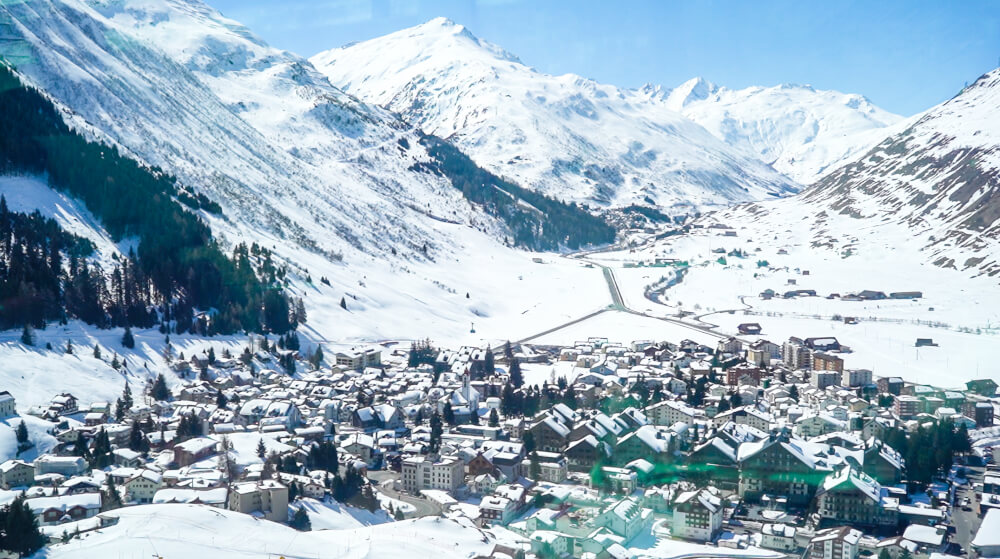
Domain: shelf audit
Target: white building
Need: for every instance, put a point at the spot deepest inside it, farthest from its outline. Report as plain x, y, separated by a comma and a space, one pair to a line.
778, 536
446, 473
987, 540
7, 406
835, 543
822, 379
64, 465
697, 516
856, 377
266, 498
358, 359
16, 473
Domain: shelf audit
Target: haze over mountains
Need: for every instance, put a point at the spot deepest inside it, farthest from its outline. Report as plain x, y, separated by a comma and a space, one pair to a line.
800, 131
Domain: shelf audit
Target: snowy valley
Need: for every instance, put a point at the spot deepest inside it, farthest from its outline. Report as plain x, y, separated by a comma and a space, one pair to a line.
485, 312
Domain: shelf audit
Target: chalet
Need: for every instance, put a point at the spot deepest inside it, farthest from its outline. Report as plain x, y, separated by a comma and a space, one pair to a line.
194, 450
214, 497
626, 518
851, 497
497, 510
646, 442
381, 416
714, 459
780, 466
882, 462
480, 465
142, 487
361, 445
749, 329
984, 387
584, 453
65, 508
550, 433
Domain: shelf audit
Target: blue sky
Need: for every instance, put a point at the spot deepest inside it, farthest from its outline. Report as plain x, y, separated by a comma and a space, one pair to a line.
905, 56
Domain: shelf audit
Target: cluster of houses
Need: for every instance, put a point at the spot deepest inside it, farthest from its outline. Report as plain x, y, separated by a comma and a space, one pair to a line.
682, 441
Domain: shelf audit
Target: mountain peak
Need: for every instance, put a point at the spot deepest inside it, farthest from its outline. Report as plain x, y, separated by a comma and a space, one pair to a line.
695, 89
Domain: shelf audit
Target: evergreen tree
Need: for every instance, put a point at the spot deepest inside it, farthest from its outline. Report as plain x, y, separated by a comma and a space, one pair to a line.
97, 351
160, 391
20, 528
535, 469
22, 433
261, 449
449, 414
137, 441
69, 347
436, 431
736, 400
27, 336
300, 520
221, 401
126, 398
494, 418
398, 514
317, 358
113, 499
127, 339
516, 378
489, 365
343, 303
529, 441
211, 356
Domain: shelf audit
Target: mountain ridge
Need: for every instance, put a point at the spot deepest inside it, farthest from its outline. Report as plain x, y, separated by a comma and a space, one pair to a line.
565, 136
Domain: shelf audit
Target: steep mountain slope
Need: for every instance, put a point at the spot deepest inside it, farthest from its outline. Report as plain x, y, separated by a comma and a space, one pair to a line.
931, 189
802, 132
257, 128
562, 135
339, 190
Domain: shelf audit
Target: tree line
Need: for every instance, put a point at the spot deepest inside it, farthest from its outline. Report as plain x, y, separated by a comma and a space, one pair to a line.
548, 224
176, 262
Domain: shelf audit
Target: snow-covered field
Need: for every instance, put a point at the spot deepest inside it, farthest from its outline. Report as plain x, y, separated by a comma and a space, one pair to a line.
172, 531
959, 312
331, 515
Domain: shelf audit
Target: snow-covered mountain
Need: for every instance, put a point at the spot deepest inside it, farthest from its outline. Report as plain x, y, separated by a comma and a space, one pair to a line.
933, 188
187, 90
339, 189
565, 136
802, 132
